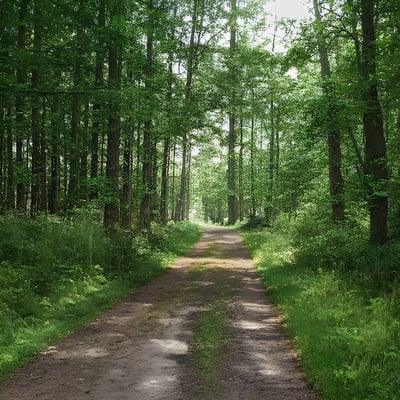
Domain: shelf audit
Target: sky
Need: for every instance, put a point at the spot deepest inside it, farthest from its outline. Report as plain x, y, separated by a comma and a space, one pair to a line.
289, 8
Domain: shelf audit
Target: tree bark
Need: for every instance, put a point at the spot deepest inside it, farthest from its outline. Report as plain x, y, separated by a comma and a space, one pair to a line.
336, 185
181, 205
74, 149
145, 216
99, 83
376, 171
35, 115
232, 203
240, 173
127, 195
111, 208
252, 168
54, 189
22, 77
10, 199
2, 160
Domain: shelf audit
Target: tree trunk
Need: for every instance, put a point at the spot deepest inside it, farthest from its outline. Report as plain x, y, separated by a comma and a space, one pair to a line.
21, 127
271, 167
240, 173
127, 195
336, 185
145, 216
35, 115
181, 206
232, 204
164, 181
74, 149
252, 168
111, 209
10, 200
376, 171
54, 189
99, 83
2, 160
42, 167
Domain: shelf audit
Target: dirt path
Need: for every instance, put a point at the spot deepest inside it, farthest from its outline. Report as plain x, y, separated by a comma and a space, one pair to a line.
142, 348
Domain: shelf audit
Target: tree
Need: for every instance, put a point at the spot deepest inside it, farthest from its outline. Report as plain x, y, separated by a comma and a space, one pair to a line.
376, 171
232, 201
336, 185
111, 209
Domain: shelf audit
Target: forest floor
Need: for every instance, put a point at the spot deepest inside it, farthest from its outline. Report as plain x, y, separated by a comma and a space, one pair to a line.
203, 330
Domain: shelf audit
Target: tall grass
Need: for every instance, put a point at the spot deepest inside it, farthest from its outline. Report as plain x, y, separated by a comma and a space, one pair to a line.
55, 275
340, 300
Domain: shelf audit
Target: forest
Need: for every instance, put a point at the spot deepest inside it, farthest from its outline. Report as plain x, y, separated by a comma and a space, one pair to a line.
123, 120
153, 111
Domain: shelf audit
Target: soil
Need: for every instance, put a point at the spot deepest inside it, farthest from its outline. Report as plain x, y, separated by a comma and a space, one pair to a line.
140, 349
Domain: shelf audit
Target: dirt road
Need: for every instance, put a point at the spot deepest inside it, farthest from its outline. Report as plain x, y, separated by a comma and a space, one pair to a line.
151, 346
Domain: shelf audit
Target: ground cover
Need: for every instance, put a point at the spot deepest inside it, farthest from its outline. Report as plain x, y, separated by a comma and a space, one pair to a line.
342, 315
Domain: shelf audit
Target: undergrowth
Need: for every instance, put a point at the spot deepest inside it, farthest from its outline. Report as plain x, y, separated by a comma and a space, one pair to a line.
57, 274
340, 299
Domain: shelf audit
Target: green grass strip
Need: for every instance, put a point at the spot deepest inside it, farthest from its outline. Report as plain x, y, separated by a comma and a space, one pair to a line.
209, 339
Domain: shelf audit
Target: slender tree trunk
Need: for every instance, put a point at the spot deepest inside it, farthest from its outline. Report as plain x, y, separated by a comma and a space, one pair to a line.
278, 143
74, 153
35, 115
165, 181
334, 137
252, 168
111, 209
127, 195
187, 200
181, 206
21, 134
2, 160
42, 166
271, 167
84, 146
240, 173
166, 153
54, 189
145, 216
376, 171
232, 203
99, 83
10, 200
173, 183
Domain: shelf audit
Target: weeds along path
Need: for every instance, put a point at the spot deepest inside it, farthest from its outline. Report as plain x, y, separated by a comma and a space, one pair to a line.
204, 330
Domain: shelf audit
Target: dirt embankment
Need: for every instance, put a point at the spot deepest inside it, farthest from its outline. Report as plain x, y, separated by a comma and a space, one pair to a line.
150, 345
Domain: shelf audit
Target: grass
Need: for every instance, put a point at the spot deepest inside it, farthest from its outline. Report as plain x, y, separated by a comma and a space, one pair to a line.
208, 342
211, 331
57, 275
344, 324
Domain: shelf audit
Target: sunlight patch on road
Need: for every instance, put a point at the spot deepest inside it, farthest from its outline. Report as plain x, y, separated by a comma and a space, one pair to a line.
245, 324
171, 346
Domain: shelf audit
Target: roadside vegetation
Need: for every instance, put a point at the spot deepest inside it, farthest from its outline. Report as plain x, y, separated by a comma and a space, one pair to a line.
211, 331
57, 274
340, 300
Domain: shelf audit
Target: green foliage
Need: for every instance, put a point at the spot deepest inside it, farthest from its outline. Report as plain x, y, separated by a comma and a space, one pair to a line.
56, 275
340, 300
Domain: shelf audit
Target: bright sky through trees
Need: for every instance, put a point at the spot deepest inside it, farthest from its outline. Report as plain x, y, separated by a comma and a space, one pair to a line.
290, 9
